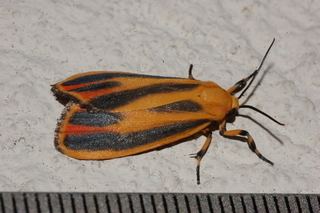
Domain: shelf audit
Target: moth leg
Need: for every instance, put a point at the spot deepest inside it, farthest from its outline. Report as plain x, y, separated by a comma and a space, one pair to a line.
240, 84
233, 89
199, 155
190, 72
246, 136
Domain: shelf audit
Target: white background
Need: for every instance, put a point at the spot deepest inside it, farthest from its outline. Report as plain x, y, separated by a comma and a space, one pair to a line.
43, 42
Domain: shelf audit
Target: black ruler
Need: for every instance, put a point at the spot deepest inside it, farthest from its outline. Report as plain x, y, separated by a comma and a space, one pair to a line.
156, 202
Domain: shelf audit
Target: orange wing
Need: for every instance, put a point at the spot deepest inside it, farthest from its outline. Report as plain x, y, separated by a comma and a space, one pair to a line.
117, 91
101, 135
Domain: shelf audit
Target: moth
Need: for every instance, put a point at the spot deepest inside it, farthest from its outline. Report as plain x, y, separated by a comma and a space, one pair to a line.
117, 114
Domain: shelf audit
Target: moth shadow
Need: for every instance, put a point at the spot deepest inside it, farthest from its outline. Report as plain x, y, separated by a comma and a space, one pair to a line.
258, 83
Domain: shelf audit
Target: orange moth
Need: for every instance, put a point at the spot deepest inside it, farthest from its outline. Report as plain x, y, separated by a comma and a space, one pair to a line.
116, 114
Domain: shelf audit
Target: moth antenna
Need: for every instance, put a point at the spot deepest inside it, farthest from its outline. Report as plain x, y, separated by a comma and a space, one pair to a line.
261, 112
254, 74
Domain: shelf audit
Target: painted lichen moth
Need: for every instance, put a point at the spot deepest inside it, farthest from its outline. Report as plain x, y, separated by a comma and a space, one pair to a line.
115, 114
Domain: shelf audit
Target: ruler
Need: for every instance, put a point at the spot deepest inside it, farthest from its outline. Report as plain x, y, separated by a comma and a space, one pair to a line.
156, 203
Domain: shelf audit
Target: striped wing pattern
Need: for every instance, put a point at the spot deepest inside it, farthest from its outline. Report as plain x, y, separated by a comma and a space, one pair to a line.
115, 114
115, 91
97, 135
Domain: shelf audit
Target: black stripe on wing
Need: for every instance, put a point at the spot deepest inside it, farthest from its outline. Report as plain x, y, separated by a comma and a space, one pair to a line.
118, 141
97, 119
117, 99
108, 75
98, 86
180, 106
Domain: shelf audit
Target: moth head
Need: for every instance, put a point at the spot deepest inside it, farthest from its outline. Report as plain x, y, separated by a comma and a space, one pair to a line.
232, 114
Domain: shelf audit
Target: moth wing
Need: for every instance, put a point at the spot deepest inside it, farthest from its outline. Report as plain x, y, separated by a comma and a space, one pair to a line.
118, 91
99, 135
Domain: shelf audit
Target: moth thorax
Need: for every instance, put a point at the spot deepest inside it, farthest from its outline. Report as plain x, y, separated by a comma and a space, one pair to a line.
217, 96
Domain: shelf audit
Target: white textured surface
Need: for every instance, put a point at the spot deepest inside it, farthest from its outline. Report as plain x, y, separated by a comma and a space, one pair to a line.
42, 42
